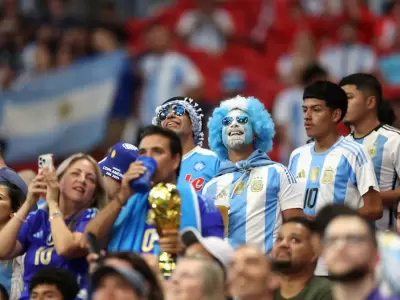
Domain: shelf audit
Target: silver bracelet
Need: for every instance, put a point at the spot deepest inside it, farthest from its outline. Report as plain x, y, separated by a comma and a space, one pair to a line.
56, 214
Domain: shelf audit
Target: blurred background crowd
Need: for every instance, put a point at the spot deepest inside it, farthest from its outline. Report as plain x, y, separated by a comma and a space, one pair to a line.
82, 75
206, 49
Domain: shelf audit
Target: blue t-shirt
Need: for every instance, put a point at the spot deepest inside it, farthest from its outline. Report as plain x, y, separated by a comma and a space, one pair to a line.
36, 239
211, 225
198, 167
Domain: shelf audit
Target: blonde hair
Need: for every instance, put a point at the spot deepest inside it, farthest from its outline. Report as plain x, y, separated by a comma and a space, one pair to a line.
100, 195
212, 278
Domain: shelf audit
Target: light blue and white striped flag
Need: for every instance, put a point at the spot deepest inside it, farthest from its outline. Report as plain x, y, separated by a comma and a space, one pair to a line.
63, 112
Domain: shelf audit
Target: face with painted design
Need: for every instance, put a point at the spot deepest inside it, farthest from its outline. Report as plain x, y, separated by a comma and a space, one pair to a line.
236, 131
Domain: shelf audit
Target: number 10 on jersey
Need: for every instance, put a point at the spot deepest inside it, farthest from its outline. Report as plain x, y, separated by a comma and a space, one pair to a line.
310, 198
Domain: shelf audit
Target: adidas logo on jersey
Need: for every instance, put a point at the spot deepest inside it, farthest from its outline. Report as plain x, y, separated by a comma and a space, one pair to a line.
301, 174
38, 235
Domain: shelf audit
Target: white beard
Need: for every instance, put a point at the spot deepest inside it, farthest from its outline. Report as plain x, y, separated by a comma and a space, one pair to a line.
235, 142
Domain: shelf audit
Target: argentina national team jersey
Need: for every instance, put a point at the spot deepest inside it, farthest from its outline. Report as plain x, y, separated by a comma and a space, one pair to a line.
256, 201
198, 167
340, 175
383, 146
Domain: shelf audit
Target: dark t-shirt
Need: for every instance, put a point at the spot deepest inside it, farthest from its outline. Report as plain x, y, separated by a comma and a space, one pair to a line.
317, 289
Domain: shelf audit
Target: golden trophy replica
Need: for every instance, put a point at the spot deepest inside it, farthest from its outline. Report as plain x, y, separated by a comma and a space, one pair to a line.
165, 213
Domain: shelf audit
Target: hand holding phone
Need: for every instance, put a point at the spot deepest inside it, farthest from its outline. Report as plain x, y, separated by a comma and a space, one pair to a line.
45, 161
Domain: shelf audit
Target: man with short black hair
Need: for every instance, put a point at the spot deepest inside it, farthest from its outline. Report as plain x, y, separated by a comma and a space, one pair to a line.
53, 283
130, 229
331, 168
288, 114
295, 258
371, 118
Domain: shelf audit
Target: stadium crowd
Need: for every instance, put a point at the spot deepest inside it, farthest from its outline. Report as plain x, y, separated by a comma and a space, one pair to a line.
252, 152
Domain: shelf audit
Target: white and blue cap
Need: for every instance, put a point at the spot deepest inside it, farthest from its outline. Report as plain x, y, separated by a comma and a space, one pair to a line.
117, 162
218, 248
194, 111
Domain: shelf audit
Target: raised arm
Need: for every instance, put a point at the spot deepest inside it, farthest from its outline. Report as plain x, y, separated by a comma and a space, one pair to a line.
102, 224
10, 246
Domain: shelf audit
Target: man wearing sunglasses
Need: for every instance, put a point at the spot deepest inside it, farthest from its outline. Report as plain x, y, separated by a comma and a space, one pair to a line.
255, 193
185, 117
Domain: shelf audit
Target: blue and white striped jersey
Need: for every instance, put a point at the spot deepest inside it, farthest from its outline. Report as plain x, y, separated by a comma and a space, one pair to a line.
256, 200
383, 146
340, 175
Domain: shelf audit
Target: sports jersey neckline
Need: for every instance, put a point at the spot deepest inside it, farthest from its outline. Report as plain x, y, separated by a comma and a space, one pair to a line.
327, 151
375, 129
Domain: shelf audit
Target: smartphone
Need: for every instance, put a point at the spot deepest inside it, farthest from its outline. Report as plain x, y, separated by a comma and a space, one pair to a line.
93, 244
45, 161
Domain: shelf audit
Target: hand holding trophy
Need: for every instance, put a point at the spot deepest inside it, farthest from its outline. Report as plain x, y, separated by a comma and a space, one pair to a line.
165, 212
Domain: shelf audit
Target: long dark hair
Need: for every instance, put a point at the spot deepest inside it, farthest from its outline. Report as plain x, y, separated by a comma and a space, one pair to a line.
17, 198
16, 195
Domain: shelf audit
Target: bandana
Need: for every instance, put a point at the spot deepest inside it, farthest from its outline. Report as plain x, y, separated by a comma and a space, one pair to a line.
195, 114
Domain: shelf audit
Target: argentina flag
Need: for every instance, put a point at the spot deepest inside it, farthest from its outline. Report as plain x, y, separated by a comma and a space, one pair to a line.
62, 112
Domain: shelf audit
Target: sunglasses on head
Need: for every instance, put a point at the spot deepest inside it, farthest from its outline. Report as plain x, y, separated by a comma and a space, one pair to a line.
178, 111
240, 119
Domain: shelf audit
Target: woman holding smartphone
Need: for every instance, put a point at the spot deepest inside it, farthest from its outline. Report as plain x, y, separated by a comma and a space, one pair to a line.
53, 236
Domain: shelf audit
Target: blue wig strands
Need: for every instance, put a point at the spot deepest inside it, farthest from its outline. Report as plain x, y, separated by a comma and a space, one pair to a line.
260, 119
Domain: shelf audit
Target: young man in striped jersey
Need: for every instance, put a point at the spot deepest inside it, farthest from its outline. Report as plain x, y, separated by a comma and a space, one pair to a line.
185, 117
369, 118
254, 193
333, 169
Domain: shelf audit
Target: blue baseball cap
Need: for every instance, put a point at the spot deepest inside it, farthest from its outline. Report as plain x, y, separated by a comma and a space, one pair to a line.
117, 162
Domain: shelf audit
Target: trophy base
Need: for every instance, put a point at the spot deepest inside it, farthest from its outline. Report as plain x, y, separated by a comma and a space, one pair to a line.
167, 263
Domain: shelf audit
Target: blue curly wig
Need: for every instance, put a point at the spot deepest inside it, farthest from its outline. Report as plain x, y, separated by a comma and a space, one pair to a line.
259, 117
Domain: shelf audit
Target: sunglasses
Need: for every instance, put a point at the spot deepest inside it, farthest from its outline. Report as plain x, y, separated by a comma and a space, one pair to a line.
178, 111
240, 119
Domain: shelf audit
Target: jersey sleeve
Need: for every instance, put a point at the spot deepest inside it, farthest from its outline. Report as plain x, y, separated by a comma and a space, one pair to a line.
290, 194
292, 166
84, 219
364, 172
211, 219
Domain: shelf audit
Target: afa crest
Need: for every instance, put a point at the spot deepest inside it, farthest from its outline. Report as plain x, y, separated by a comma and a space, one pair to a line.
328, 176
372, 150
257, 185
